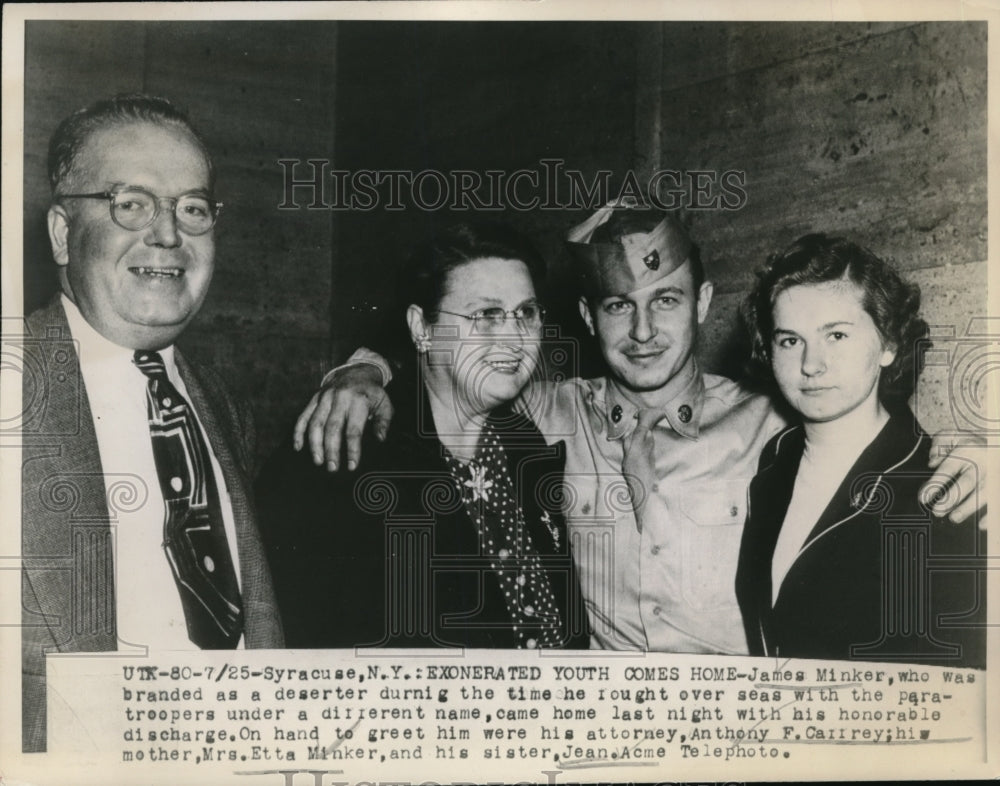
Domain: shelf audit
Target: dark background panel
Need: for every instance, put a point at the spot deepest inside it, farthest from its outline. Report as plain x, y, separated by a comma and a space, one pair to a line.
481, 97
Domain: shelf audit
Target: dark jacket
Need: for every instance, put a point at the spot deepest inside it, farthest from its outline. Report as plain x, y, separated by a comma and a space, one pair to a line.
387, 555
874, 546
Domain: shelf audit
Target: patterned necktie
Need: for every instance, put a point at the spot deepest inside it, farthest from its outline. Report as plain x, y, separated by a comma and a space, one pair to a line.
638, 464
194, 537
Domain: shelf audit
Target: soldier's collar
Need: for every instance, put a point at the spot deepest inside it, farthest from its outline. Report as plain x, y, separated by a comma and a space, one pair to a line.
683, 411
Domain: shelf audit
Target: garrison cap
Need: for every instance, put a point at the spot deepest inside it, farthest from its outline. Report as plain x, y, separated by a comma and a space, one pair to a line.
635, 261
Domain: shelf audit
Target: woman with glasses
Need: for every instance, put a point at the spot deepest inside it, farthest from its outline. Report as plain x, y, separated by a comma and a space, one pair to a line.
448, 533
838, 559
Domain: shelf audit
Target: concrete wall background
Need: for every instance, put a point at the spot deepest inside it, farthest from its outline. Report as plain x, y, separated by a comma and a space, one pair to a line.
877, 131
873, 131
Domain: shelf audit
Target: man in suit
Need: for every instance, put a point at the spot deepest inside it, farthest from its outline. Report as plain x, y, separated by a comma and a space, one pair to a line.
138, 527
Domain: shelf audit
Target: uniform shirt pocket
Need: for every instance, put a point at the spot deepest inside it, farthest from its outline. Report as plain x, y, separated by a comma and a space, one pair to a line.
711, 529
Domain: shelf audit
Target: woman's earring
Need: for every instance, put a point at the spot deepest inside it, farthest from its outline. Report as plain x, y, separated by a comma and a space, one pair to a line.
422, 343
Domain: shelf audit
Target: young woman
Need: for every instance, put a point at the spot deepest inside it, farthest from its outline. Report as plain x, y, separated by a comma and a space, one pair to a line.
445, 534
838, 559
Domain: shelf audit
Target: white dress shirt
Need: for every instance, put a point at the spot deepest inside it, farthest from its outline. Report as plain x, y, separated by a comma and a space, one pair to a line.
149, 611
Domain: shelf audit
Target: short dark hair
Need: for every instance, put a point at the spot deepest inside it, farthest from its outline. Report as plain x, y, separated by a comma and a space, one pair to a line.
74, 131
892, 303
635, 220
426, 275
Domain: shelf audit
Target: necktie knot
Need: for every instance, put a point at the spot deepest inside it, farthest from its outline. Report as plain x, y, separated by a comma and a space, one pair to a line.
150, 363
649, 418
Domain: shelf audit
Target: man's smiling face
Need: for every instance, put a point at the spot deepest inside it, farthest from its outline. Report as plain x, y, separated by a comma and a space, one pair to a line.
139, 289
647, 336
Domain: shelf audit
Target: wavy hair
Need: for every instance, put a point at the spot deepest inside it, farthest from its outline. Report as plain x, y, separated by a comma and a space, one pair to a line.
892, 303
425, 277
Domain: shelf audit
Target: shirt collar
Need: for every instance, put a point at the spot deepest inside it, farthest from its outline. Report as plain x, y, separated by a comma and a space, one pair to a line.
682, 412
97, 349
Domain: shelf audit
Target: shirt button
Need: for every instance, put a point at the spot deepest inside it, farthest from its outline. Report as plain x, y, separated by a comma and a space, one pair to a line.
657, 610
529, 610
176, 484
503, 553
655, 487
655, 550
166, 401
532, 644
209, 564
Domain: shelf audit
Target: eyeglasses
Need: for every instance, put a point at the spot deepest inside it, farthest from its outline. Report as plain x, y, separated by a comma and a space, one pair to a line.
135, 208
529, 316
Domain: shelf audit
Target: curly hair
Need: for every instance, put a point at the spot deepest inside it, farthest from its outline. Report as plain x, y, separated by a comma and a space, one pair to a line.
425, 277
892, 303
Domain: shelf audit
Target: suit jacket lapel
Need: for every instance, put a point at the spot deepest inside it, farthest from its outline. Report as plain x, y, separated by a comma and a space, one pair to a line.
68, 591
66, 538
772, 493
859, 490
